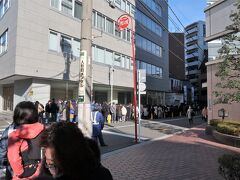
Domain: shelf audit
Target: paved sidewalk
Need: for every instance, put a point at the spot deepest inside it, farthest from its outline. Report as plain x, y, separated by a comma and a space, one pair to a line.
191, 155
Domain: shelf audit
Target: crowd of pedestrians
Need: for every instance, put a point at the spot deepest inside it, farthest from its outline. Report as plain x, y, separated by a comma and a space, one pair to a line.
31, 150
55, 111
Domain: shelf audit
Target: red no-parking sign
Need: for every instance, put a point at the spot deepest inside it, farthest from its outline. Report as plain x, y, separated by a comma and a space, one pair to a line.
123, 22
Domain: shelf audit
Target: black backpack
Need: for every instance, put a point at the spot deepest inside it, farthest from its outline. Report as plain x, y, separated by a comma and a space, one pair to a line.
31, 157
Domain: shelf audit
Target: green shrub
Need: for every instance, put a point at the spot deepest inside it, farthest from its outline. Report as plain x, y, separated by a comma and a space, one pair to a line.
229, 166
214, 122
226, 127
230, 129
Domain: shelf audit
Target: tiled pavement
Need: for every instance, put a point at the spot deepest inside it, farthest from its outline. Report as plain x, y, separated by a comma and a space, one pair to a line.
191, 155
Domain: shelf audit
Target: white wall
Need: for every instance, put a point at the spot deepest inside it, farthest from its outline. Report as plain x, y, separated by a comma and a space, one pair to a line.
22, 90
41, 91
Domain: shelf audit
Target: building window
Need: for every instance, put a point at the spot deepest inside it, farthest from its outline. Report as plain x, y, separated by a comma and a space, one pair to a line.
132, 12
55, 4
53, 41
148, 23
99, 54
118, 3
124, 35
66, 44
70, 7
67, 6
100, 21
77, 10
3, 42
128, 7
128, 34
151, 70
4, 5
154, 6
123, 5
117, 59
76, 47
117, 31
109, 26
109, 57
148, 46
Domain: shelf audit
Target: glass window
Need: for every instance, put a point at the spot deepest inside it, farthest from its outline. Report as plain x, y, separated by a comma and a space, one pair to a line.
117, 59
144, 43
127, 63
149, 68
6, 5
53, 41
128, 7
100, 21
55, 4
3, 42
109, 26
1, 8
94, 19
77, 10
99, 54
109, 57
160, 72
157, 71
117, 31
118, 3
123, 62
123, 5
131, 67
124, 34
138, 41
153, 70
66, 44
128, 34
143, 65
76, 47
132, 13
157, 50
67, 6
149, 46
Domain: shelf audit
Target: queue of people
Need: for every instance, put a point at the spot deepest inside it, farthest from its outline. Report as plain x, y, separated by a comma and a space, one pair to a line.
29, 150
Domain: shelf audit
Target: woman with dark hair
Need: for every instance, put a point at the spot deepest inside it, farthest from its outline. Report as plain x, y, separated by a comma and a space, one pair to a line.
24, 153
68, 155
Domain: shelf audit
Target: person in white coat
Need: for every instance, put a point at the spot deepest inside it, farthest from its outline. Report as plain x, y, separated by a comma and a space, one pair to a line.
190, 115
124, 113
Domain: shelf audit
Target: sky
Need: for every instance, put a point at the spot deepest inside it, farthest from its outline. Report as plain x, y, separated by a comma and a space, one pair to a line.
188, 11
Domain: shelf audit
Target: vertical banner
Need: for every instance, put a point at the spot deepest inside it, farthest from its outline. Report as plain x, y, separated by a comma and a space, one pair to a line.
82, 76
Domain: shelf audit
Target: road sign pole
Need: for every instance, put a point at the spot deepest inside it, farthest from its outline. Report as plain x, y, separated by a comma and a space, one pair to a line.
139, 107
123, 23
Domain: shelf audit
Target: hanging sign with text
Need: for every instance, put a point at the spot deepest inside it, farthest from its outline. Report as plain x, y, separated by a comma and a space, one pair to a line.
82, 76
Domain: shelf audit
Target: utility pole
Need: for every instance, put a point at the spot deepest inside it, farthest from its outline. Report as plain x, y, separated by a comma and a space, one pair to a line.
85, 71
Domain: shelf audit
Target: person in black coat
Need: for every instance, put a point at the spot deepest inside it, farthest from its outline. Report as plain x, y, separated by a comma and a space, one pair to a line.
68, 155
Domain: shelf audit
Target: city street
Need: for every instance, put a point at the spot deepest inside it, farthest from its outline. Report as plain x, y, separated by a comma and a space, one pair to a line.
170, 149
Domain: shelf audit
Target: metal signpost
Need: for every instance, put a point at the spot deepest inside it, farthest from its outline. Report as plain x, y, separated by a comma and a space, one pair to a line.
123, 23
141, 90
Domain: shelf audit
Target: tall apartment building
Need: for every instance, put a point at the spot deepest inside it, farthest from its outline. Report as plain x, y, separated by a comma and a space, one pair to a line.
176, 69
39, 57
217, 19
152, 48
195, 46
40, 47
